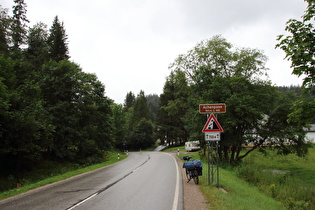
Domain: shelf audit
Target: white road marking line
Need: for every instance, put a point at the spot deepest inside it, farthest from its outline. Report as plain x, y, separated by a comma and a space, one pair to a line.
78, 204
175, 202
108, 186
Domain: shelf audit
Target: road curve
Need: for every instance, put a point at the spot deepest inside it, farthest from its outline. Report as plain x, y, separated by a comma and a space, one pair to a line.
145, 180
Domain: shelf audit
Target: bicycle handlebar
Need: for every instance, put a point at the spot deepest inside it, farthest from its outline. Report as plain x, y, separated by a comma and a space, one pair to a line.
187, 158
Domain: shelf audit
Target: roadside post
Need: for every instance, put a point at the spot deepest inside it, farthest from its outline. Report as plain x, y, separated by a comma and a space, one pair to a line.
212, 130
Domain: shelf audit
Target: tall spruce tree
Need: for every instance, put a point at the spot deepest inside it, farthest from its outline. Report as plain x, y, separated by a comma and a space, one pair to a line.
141, 109
173, 107
129, 101
19, 24
4, 25
57, 41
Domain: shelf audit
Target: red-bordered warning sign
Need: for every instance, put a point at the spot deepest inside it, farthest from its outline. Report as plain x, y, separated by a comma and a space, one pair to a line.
212, 125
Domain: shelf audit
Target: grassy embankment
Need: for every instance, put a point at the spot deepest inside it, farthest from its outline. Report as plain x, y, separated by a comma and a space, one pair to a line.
56, 172
263, 181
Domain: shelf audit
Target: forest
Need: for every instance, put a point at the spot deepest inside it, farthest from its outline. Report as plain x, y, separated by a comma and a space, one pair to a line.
50, 109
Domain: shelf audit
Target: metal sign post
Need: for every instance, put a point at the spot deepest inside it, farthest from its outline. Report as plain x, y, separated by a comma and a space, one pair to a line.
212, 130
213, 163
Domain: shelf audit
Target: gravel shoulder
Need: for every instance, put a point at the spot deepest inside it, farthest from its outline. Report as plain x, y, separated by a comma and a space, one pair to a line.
193, 198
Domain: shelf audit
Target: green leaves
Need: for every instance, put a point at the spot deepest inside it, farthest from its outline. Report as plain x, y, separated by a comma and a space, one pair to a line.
218, 73
300, 47
303, 112
49, 108
80, 111
139, 127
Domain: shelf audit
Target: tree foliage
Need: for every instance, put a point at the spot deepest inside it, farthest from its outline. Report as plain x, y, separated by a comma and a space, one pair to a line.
129, 100
140, 109
133, 122
37, 50
19, 24
57, 41
119, 126
5, 21
49, 108
153, 106
219, 73
300, 50
79, 98
140, 126
299, 46
173, 107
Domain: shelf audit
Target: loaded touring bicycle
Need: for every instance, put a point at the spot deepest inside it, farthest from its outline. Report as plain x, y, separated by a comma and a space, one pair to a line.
193, 169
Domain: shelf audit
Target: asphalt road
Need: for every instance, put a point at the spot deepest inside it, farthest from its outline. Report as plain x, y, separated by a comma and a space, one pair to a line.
145, 180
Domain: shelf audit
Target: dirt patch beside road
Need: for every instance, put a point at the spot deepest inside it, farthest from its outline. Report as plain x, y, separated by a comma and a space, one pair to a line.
193, 198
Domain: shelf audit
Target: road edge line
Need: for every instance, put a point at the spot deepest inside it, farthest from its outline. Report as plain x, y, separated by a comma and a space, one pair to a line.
176, 196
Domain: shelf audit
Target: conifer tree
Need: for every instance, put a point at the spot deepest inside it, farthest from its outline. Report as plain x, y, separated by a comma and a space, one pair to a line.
129, 101
141, 110
57, 41
19, 24
4, 23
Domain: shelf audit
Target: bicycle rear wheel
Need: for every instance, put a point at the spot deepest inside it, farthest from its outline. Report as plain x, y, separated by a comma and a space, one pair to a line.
196, 178
188, 175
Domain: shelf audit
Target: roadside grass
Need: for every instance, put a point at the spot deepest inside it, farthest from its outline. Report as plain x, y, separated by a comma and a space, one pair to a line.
236, 194
181, 149
59, 173
289, 179
263, 181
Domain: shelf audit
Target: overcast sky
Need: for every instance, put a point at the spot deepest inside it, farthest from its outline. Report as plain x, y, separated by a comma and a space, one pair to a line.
129, 44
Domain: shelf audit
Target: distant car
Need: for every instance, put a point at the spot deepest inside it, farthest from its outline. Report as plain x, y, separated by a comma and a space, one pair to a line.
191, 146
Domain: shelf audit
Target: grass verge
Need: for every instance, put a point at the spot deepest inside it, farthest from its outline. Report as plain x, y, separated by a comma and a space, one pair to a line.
264, 180
237, 194
112, 157
289, 179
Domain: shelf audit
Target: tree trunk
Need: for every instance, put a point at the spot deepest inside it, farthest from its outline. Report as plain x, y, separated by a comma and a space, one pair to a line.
226, 153
17, 175
232, 158
220, 153
238, 151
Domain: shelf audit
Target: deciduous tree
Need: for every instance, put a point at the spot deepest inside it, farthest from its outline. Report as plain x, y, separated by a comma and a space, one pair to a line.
300, 50
219, 73
299, 46
37, 50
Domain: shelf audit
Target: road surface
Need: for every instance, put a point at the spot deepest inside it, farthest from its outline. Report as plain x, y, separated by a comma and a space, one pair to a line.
145, 180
